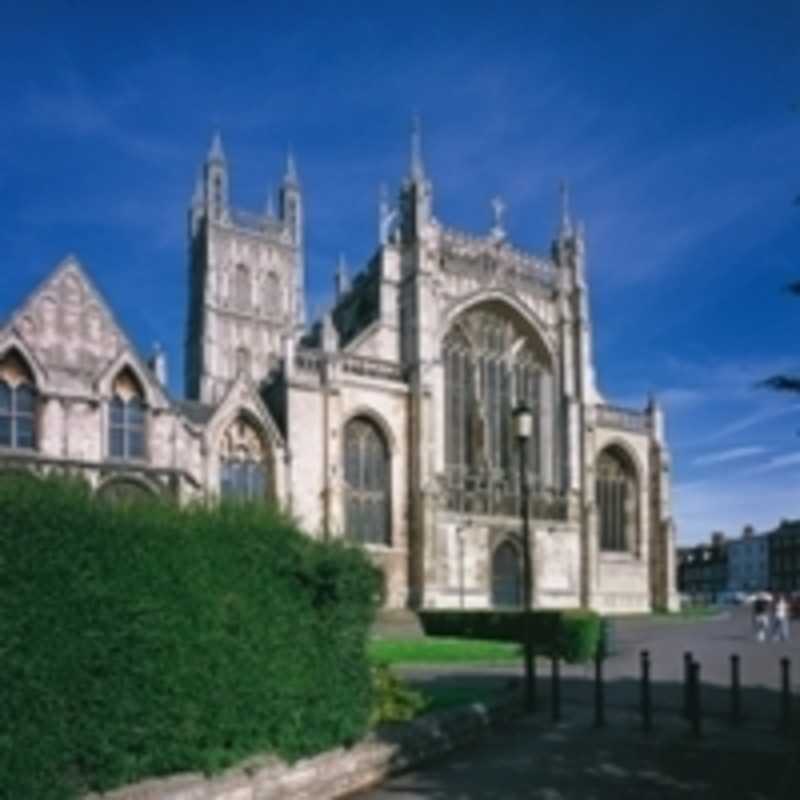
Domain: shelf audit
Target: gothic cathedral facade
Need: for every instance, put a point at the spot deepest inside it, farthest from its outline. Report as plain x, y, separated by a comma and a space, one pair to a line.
388, 421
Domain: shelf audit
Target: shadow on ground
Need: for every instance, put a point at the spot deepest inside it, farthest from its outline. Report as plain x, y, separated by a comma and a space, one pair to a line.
537, 758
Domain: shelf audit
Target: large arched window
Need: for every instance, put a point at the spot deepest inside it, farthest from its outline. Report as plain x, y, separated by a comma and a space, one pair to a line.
367, 484
491, 362
243, 293
244, 462
127, 418
506, 576
616, 492
18, 403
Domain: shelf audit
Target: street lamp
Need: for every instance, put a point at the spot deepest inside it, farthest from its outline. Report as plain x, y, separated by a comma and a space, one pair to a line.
523, 428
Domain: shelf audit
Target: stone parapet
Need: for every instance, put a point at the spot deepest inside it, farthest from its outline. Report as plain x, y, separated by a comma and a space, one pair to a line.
336, 773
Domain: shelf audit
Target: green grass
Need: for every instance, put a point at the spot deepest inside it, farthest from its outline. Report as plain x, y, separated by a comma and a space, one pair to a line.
441, 651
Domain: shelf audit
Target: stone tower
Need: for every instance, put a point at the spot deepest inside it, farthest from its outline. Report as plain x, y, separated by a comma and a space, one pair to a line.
246, 280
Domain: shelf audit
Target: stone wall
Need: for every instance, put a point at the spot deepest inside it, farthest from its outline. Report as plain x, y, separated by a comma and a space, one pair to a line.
336, 773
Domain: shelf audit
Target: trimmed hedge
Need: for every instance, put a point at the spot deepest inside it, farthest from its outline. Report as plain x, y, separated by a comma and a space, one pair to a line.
572, 635
146, 640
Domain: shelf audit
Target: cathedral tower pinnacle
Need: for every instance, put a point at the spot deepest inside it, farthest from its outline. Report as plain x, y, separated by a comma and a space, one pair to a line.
291, 214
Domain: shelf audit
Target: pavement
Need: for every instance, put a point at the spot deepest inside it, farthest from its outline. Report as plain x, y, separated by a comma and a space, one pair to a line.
536, 758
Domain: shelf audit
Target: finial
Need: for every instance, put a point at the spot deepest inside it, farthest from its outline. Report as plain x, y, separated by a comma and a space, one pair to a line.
341, 280
197, 195
216, 153
417, 170
498, 207
270, 207
291, 168
565, 224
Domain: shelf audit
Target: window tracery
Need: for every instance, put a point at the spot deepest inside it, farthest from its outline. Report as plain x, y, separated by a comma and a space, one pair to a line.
367, 483
490, 365
127, 418
18, 404
616, 495
244, 462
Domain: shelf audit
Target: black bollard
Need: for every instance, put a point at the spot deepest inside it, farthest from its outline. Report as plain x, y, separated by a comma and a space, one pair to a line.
645, 692
599, 688
786, 696
736, 697
687, 679
696, 709
555, 699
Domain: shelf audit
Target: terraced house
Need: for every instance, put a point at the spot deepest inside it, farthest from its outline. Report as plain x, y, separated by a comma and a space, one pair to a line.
388, 421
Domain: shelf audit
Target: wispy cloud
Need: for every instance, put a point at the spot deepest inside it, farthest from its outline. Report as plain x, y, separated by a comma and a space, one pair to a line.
776, 463
731, 454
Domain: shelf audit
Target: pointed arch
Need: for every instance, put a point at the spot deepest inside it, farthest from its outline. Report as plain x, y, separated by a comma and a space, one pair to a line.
246, 460
19, 402
127, 418
367, 481
617, 484
242, 287
507, 575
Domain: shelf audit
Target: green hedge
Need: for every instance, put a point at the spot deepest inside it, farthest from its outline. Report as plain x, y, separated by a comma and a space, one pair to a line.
149, 640
572, 635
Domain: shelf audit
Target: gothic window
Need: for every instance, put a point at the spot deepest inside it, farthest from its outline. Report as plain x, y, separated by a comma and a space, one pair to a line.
242, 289
616, 493
18, 404
127, 418
243, 361
272, 298
506, 577
244, 463
217, 196
367, 484
490, 364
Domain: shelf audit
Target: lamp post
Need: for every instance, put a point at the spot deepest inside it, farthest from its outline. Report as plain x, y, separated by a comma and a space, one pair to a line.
523, 427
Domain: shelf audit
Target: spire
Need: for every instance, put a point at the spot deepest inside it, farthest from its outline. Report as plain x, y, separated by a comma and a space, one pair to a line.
291, 168
417, 169
197, 195
498, 209
270, 205
565, 222
216, 153
342, 281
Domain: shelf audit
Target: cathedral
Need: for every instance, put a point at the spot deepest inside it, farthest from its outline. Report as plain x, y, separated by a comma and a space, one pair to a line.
387, 422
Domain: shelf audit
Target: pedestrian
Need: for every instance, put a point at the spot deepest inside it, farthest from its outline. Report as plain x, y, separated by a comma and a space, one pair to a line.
760, 618
780, 620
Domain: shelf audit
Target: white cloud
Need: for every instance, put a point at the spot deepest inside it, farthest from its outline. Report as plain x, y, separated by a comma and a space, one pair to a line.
731, 454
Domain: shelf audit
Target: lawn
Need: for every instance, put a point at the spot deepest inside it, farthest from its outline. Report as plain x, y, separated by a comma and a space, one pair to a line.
441, 651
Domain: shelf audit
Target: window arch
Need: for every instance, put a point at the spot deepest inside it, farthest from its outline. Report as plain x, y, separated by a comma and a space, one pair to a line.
124, 491
244, 462
617, 498
367, 483
242, 288
127, 418
19, 401
272, 295
492, 361
507, 576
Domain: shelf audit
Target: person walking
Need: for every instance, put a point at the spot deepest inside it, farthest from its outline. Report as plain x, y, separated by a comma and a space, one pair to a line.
780, 620
760, 618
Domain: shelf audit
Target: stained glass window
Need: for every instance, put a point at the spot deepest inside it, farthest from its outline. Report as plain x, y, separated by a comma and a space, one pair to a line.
366, 475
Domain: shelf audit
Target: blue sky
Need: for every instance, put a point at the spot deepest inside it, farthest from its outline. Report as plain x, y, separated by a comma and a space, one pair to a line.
672, 122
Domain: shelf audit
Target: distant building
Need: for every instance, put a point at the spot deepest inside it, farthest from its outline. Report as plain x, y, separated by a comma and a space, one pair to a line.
784, 557
703, 570
748, 562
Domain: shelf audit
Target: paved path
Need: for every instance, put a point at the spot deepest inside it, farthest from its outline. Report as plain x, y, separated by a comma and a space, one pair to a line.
536, 759
572, 761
